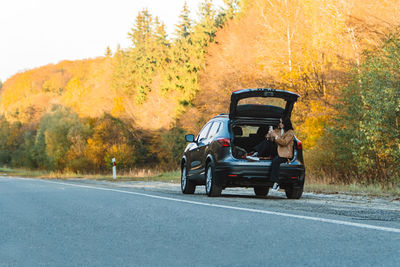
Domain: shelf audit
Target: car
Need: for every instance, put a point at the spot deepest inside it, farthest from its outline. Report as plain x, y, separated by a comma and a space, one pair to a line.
216, 156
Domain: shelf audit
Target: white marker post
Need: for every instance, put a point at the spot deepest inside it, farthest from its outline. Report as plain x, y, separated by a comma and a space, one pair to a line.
114, 169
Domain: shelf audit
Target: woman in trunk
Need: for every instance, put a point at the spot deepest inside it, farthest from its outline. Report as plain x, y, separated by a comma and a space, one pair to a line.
278, 146
284, 139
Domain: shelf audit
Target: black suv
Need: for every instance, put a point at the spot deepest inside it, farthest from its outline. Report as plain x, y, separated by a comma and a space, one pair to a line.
216, 157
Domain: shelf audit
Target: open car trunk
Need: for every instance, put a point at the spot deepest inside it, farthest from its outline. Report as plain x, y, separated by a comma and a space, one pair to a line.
261, 103
253, 112
246, 137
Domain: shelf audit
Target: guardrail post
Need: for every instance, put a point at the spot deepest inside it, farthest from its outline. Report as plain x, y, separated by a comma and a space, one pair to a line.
114, 169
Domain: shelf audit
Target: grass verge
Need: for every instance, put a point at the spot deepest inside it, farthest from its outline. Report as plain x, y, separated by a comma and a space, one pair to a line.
139, 175
352, 189
174, 177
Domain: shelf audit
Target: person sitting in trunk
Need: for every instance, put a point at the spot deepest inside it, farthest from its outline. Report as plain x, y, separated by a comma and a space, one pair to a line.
285, 141
266, 149
277, 145
258, 138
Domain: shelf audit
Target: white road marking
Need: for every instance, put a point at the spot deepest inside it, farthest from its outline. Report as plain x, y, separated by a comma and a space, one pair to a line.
360, 225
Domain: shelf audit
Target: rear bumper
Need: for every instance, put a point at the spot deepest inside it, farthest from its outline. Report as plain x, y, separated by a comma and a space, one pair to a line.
249, 174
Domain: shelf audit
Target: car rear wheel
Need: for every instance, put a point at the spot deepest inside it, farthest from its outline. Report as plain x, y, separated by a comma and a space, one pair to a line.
261, 190
293, 192
187, 186
212, 190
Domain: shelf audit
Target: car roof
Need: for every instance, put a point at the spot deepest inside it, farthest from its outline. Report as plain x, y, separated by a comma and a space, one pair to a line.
221, 116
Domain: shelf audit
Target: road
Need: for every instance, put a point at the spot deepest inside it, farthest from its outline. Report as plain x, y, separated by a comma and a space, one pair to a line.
93, 223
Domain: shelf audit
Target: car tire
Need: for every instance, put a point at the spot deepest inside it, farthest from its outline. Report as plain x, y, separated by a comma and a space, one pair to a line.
261, 191
293, 192
187, 186
212, 189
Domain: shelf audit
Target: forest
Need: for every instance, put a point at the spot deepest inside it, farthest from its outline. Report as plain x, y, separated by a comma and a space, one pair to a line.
137, 103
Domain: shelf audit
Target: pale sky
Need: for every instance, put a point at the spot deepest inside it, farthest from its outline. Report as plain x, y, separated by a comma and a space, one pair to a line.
34, 33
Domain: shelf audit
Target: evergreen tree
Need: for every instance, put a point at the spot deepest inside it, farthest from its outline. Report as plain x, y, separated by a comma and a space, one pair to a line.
108, 52
184, 25
181, 76
188, 54
160, 45
205, 29
228, 12
137, 66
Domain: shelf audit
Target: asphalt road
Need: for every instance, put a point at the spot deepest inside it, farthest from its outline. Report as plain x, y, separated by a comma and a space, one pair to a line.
90, 223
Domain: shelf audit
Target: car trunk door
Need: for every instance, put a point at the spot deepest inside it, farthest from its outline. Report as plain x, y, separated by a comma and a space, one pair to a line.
261, 110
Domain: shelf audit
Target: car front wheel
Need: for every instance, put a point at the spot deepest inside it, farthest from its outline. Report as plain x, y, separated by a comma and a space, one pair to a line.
187, 186
212, 190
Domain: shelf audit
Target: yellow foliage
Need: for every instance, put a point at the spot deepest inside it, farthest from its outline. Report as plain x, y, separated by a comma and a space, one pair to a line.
118, 106
313, 127
95, 151
306, 46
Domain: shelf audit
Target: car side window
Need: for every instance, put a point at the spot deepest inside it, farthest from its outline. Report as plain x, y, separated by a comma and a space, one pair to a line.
203, 133
214, 130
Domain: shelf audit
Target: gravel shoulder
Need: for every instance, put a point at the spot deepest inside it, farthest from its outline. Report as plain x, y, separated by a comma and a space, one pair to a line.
340, 199
382, 211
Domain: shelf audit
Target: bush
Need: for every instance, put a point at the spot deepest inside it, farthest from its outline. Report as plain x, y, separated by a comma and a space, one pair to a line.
171, 146
112, 138
368, 132
24, 156
59, 132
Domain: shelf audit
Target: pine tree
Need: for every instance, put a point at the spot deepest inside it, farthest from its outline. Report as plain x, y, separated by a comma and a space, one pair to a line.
205, 29
184, 26
137, 66
181, 76
228, 12
160, 45
141, 32
108, 52
187, 54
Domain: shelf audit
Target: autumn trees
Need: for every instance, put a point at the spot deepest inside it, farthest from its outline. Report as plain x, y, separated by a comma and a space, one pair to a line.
126, 104
337, 54
156, 70
368, 127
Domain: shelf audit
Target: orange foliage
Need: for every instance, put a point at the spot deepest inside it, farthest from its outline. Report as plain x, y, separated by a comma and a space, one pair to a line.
83, 85
304, 46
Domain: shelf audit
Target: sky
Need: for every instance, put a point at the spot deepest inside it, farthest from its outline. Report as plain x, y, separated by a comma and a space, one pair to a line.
34, 33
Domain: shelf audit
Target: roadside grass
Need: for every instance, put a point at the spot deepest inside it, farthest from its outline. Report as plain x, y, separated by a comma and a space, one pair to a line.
22, 172
312, 185
133, 175
353, 189
327, 185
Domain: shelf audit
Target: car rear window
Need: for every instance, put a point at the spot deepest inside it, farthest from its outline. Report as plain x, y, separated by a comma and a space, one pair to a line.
249, 130
270, 101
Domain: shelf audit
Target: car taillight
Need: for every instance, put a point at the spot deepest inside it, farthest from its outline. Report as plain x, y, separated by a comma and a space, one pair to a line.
299, 145
224, 142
